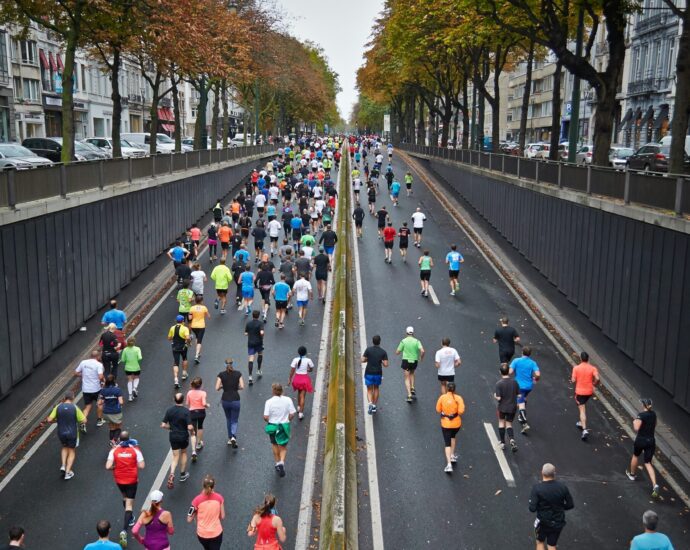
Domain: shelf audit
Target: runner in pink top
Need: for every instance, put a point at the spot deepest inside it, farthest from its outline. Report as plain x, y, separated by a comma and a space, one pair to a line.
197, 405
209, 509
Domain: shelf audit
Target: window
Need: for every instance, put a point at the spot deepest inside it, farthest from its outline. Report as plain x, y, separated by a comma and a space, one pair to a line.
643, 61
657, 69
548, 83
46, 77
18, 93
83, 78
671, 58
29, 52
636, 64
509, 116
32, 91
4, 65
93, 76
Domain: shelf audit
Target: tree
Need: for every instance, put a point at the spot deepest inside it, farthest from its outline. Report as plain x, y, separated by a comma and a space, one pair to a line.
367, 114
681, 107
67, 19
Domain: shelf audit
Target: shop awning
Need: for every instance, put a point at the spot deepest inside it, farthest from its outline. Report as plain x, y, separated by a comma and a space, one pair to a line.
53, 66
43, 59
648, 116
59, 62
165, 114
662, 116
626, 119
168, 127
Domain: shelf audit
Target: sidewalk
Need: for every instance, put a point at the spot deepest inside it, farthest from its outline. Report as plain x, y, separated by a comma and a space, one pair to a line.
625, 382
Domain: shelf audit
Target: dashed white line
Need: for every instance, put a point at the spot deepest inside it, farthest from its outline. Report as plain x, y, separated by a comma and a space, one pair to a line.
500, 455
434, 298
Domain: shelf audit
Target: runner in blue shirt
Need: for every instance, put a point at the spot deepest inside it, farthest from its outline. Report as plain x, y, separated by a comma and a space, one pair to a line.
453, 260
281, 294
114, 315
177, 253
247, 284
526, 373
395, 191
296, 226
242, 254
103, 542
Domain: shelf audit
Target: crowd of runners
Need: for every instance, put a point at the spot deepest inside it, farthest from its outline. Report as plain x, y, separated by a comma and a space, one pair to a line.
265, 249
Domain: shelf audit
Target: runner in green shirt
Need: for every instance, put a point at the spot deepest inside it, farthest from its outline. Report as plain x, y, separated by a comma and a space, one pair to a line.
131, 357
185, 297
408, 183
222, 277
307, 240
412, 353
425, 265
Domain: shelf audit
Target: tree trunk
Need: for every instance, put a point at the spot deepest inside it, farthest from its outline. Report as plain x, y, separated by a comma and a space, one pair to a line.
216, 113
117, 102
421, 129
465, 117
176, 112
68, 96
679, 124
226, 124
496, 111
556, 113
456, 121
481, 111
410, 118
153, 141
524, 110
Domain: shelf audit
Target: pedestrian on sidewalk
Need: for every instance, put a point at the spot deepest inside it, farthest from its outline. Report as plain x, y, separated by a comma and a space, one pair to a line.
114, 315
179, 422
585, 376
110, 401
299, 378
68, 417
526, 373
208, 508
230, 382
103, 542
179, 341
446, 360
267, 526
221, 276
412, 353
506, 337
158, 523
549, 499
645, 444
506, 394
425, 262
91, 373
131, 358
279, 410
375, 358
651, 539
125, 460
197, 404
451, 407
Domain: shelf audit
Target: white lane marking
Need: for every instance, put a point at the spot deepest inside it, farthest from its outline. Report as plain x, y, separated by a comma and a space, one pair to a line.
500, 455
303, 535
34, 448
374, 495
434, 298
160, 477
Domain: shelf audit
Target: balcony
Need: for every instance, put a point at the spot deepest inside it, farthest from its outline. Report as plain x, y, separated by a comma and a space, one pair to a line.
652, 23
650, 85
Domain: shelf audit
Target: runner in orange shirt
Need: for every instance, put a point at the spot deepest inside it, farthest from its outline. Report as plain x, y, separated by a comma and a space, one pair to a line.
585, 377
224, 235
198, 314
450, 406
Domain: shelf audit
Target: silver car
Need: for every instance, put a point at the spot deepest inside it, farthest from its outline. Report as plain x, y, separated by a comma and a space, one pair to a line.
106, 144
584, 154
618, 157
14, 156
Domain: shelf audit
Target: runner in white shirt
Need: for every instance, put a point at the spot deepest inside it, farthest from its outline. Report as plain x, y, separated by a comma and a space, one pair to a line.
278, 411
303, 293
260, 202
273, 192
300, 368
91, 373
418, 219
318, 191
314, 164
308, 251
303, 162
319, 205
274, 227
447, 360
379, 159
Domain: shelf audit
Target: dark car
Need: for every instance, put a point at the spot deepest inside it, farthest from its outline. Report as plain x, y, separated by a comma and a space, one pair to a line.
652, 157
51, 148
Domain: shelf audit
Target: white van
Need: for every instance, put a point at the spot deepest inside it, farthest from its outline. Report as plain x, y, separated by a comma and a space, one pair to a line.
666, 140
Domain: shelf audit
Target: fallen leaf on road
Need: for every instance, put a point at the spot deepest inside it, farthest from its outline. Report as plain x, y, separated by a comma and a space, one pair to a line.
497, 493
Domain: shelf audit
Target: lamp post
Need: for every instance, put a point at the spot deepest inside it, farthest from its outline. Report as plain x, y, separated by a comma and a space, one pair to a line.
575, 98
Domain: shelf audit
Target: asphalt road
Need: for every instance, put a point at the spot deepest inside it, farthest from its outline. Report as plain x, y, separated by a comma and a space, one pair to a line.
63, 514
475, 508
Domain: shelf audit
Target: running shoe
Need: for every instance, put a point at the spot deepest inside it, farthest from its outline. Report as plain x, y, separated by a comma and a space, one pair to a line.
578, 424
216, 303
251, 381
585, 435
135, 393
449, 468
502, 446
62, 471
259, 374
371, 409
184, 476
194, 457
177, 384
132, 521
630, 475
301, 322
233, 442
222, 312
130, 398
123, 539
171, 481
69, 475
184, 375
300, 415
655, 491
199, 445
513, 446
197, 360
277, 324
100, 422
281, 470
525, 428
453, 459
452, 293
413, 392
375, 409
409, 398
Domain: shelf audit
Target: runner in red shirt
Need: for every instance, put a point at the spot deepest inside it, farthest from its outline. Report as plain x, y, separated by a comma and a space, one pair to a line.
125, 460
585, 377
389, 234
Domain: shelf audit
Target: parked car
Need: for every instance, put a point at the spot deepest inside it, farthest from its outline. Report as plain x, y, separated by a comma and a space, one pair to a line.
101, 154
128, 149
189, 142
51, 148
666, 140
618, 156
563, 151
584, 154
13, 155
531, 149
164, 144
543, 153
651, 157
238, 140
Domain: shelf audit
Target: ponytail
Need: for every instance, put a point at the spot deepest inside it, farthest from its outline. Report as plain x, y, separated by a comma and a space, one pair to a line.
267, 507
208, 484
228, 365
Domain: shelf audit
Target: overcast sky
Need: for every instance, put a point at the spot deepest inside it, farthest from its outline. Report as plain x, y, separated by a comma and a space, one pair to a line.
341, 30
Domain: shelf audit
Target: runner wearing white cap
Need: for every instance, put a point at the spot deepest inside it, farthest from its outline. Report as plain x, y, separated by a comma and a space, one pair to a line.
158, 524
412, 353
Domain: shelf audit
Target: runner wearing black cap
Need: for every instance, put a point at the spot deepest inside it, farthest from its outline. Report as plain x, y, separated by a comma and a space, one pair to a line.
179, 339
645, 444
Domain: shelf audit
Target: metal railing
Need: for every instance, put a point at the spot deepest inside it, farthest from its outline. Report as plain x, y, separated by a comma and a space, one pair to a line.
60, 180
654, 190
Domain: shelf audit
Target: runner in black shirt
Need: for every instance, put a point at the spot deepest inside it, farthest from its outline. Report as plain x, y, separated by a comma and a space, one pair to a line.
358, 216
506, 393
178, 420
322, 265
382, 217
371, 193
254, 331
645, 444
506, 337
259, 234
329, 238
249, 205
264, 282
549, 499
376, 358
404, 234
